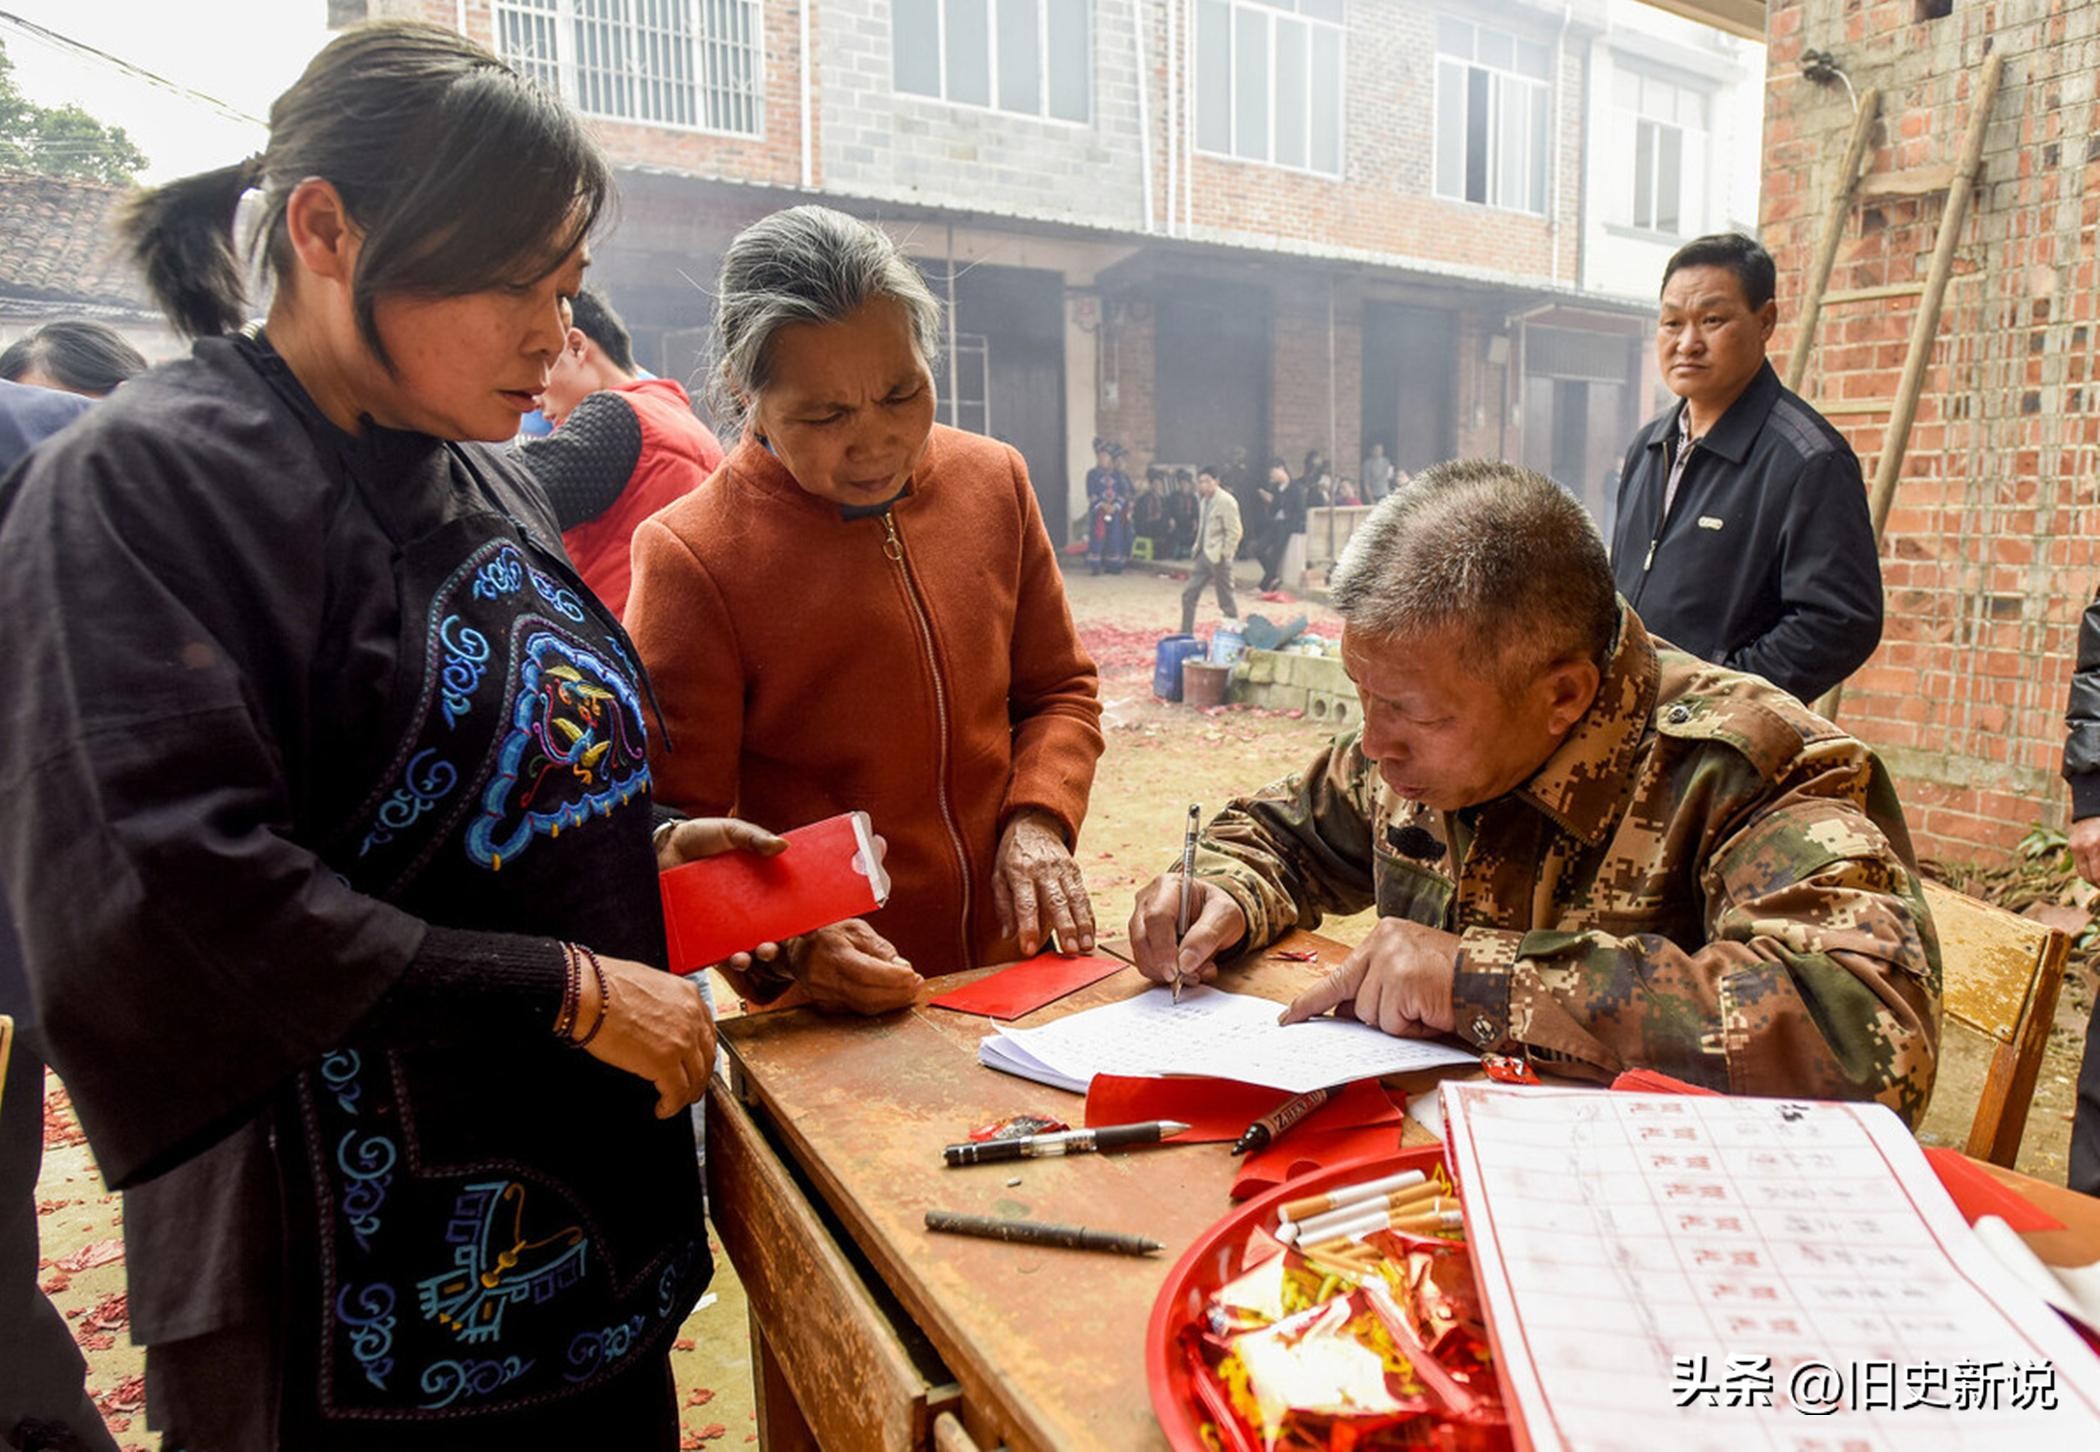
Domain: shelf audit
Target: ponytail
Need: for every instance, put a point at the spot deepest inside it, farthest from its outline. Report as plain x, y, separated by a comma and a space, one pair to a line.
459, 172
181, 236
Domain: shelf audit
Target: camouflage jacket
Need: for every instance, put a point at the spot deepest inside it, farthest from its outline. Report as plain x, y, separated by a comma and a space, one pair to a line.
1705, 879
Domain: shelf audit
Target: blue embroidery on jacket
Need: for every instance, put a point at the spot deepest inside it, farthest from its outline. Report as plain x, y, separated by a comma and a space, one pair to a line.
497, 1265
371, 1330
448, 1381
575, 749
424, 783
466, 662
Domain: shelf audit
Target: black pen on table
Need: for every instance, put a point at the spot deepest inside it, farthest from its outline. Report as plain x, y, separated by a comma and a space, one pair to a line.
1188, 870
1065, 1142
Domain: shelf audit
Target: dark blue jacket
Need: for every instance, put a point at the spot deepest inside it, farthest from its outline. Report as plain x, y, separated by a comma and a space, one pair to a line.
27, 417
1767, 561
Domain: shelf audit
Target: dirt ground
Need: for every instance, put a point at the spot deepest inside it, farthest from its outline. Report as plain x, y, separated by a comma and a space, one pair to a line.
1159, 759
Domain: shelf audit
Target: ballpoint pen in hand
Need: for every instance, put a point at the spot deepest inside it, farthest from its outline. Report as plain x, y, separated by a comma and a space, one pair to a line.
1188, 871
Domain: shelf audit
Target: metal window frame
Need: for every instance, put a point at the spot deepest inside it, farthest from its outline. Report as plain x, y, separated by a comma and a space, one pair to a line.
966, 345
1042, 43
1541, 95
563, 14
1269, 10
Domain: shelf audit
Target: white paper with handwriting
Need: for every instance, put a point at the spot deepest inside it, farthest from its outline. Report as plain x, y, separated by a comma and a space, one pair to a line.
1678, 1271
1210, 1032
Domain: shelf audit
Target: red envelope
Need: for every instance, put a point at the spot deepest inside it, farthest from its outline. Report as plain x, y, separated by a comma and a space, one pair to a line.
1975, 1193
1304, 1150
1020, 990
1221, 1109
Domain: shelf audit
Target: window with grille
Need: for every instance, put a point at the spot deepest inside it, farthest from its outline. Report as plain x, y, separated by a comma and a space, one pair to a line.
1666, 123
693, 64
1029, 57
968, 405
1494, 124
1269, 82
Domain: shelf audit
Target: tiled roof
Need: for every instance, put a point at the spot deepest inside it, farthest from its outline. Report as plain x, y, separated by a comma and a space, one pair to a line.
58, 240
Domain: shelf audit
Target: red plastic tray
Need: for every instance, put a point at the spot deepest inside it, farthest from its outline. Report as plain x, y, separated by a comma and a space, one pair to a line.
1215, 1259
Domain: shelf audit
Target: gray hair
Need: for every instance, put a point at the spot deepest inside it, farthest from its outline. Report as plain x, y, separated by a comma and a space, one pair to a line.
1505, 553
804, 265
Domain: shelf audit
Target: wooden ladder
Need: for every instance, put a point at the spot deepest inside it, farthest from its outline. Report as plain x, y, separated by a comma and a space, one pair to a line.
1959, 182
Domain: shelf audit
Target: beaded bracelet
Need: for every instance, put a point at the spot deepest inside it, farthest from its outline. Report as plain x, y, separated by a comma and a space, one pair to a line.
571, 993
604, 995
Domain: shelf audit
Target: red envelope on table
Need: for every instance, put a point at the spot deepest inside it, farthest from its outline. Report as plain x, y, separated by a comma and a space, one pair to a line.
1304, 1150
1221, 1109
1020, 990
731, 903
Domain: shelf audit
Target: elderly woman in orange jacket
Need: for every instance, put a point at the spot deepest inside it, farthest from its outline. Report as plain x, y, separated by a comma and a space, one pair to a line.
863, 611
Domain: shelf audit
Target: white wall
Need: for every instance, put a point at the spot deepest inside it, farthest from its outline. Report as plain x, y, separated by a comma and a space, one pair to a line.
1721, 182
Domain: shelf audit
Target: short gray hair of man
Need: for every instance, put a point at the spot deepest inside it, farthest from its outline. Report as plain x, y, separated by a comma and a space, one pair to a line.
1502, 552
804, 265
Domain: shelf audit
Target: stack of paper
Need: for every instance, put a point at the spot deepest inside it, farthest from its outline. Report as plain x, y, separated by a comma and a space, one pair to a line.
1210, 1032
1699, 1272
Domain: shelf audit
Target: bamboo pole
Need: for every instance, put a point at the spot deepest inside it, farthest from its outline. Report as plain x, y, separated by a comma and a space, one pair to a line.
1925, 323
1833, 233
1925, 326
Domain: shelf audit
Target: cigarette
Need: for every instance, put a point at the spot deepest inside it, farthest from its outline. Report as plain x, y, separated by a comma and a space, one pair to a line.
1302, 1210
1320, 1226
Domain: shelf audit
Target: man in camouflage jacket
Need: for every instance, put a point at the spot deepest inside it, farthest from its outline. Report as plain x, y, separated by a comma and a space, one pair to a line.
1661, 864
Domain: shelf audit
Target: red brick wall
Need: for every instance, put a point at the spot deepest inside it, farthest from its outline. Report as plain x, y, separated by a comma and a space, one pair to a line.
1299, 416
1989, 557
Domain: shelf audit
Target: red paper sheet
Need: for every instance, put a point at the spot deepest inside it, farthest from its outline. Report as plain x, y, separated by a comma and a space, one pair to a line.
1975, 1193
1020, 990
1221, 1109
1304, 1150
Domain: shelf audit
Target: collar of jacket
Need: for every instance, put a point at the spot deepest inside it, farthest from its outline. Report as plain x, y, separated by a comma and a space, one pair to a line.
1583, 783
1732, 437
754, 466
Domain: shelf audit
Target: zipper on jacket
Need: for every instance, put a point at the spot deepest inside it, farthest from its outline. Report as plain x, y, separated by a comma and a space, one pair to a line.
1663, 516
893, 546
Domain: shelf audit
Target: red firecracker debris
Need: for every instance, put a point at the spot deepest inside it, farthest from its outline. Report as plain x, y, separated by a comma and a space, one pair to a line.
111, 1313
55, 1284
683, 1343
700, 1396
128, 1398
96, 1340
94, 1253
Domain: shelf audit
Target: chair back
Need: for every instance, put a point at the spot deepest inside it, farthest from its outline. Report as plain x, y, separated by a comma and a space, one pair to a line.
1999, 975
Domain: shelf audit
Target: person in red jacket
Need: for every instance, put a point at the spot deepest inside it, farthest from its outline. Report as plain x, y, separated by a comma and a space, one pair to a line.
862, 610
623, 447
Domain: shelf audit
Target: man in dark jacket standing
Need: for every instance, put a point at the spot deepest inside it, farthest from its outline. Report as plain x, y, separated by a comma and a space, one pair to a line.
1742, 533
2082, 771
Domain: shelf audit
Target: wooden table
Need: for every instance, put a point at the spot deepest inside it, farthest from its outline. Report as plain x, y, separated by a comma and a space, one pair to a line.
868, 1332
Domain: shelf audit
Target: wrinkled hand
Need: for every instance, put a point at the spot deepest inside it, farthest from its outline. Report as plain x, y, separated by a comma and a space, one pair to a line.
851, 968
2085, 848
1216, 925
656, 1028
699, 837
1037, 888
1398, 979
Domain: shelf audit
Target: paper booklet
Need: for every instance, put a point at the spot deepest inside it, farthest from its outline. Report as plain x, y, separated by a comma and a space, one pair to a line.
732, 902
1210, 1032
1691, 1272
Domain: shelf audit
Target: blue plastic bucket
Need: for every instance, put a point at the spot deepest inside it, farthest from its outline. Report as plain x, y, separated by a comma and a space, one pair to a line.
1166, 667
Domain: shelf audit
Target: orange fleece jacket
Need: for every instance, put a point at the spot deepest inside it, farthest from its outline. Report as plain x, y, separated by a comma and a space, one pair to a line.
807, 665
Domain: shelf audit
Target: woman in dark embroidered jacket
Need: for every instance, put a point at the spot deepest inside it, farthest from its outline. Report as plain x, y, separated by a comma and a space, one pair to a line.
330, 812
